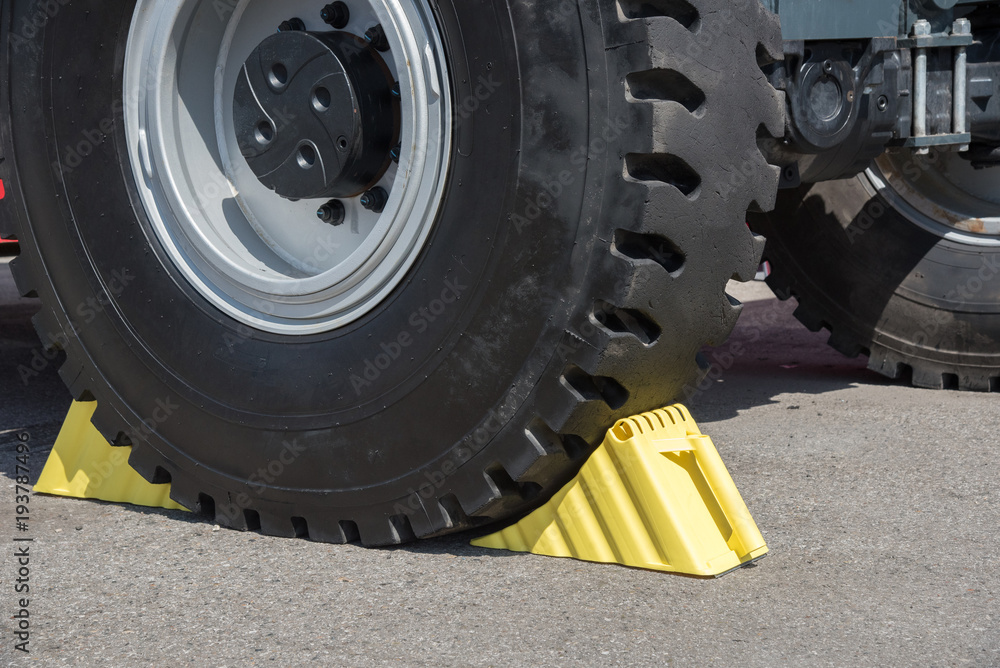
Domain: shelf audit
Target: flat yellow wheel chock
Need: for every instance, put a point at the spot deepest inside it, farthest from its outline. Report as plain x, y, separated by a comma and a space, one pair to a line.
654, 495
84, 465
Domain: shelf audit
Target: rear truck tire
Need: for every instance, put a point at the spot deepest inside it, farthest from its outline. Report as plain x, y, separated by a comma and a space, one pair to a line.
901, 263
558, 268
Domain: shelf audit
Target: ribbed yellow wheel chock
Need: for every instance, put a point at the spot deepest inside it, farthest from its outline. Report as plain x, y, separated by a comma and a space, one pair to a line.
654, 495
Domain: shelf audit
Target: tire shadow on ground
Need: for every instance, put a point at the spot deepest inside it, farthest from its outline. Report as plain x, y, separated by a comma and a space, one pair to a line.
770, 354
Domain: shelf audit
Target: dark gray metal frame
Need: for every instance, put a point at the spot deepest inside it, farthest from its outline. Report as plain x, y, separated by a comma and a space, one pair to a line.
865, 76
857, 19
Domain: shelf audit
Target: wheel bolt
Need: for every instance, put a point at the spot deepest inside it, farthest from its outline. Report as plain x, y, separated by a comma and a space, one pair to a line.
294, 24
396, 151
333, 212
336, 14
883, 103
376, 37
375, 199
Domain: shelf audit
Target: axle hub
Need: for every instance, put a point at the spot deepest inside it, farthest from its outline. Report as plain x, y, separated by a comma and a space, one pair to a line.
314, 114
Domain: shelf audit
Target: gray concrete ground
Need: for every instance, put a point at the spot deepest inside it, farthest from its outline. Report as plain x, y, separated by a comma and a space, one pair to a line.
878, 502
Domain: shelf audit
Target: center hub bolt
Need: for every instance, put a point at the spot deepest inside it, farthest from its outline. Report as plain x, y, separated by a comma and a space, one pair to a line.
336, 14
292, 25
333, 212
375, 199
376, 36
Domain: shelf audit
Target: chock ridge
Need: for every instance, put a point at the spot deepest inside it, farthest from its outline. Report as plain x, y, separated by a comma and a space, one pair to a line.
84, 465
654, 495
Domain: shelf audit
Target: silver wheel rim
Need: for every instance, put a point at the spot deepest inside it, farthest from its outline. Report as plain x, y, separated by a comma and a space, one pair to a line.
941, 193
268, 262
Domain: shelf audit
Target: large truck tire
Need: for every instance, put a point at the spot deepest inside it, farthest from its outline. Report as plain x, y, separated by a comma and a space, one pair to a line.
901, 264
558, 267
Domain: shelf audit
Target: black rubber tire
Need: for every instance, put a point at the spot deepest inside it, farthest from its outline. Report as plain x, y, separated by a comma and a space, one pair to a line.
921, 307
596, 211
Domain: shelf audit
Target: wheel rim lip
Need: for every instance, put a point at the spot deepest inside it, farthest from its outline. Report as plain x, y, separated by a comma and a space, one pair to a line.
934, 209
298, 299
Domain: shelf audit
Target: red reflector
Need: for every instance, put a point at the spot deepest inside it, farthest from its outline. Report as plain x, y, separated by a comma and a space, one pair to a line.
3, 191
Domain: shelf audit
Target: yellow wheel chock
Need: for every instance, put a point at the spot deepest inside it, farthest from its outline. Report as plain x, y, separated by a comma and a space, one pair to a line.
84, 465
654, 495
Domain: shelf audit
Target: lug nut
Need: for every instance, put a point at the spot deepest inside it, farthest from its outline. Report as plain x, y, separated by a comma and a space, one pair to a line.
333, 212
375, 199
883, 103
336, 14
376, 37
396, 151
294, 24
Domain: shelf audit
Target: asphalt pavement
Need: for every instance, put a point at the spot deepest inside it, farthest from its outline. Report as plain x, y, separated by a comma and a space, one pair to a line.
878, 502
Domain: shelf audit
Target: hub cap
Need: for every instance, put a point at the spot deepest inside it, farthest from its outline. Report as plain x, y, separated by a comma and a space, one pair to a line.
287, 177
338, 143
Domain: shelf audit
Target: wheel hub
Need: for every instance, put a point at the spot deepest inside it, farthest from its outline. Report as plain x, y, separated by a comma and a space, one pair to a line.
942, 193
294, 199
314, 114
